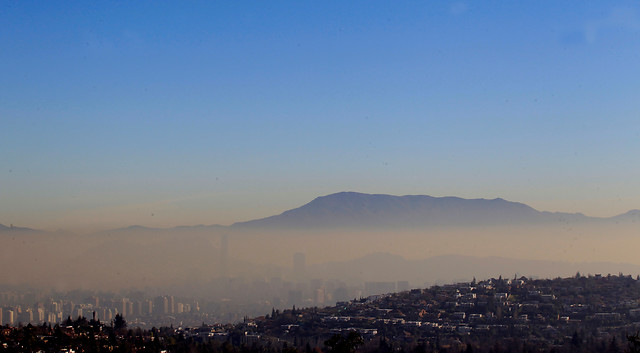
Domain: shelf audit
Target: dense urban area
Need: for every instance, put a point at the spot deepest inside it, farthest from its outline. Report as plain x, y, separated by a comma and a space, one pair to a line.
230, 301
592, 313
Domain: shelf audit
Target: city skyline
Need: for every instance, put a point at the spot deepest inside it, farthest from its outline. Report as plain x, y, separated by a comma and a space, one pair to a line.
211, 113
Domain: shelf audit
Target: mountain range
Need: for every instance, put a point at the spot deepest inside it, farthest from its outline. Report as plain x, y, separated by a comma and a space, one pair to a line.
380, 211
358, 210
144, 256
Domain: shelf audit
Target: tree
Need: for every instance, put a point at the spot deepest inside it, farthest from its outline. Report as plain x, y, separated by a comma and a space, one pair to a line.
633, 343
340, 344
119, 323
613, 345
576, 341
287, 349
469, 348
383, 346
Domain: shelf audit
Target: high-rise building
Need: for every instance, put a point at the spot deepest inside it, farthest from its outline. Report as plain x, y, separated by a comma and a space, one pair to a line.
148, 307
161, 305
123, 307
319, 296
10, 317
102, 314
52, 318
40, 314
68, 309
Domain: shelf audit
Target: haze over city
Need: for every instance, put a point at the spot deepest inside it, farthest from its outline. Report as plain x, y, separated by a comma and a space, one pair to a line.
318, 150
320, 176
174, 114
328, 177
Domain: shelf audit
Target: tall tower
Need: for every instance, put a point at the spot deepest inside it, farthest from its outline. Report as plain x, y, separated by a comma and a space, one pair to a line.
224, 255
299, 261
124, 307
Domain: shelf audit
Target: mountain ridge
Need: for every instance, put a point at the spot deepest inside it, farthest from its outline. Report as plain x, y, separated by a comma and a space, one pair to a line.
353, 209
349, 209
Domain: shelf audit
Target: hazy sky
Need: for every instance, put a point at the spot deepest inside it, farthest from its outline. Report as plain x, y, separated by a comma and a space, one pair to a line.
171, 113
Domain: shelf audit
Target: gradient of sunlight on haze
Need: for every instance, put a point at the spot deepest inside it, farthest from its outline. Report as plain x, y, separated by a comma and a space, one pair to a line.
212, 113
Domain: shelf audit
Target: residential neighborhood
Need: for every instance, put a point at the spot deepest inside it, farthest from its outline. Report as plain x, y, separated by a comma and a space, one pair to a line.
591, 313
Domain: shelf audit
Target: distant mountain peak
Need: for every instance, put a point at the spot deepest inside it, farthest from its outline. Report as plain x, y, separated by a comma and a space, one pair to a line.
629, 216
348, 209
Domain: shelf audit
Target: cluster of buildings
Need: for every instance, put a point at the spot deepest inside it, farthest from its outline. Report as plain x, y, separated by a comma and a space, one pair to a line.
578, 314
17, 308
551, 313
230, 301
223, 299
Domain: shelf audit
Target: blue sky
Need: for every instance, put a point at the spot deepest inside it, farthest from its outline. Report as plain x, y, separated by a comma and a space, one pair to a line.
171, 113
